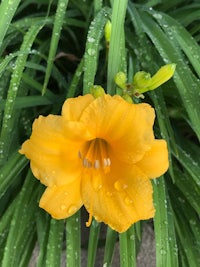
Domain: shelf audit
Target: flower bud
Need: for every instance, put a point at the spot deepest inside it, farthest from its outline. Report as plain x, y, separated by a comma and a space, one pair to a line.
120, 79
107, 31
97, 91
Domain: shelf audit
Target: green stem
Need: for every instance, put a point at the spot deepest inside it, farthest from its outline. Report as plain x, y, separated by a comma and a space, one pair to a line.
93, 241
123, 250
109, 246
73, 240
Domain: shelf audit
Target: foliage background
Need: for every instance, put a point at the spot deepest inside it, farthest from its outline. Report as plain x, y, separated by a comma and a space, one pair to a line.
50, 50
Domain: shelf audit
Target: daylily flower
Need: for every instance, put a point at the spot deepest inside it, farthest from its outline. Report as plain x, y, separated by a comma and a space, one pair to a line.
100, 153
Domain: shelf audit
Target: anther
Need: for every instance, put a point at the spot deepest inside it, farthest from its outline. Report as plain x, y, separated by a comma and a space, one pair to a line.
96, 164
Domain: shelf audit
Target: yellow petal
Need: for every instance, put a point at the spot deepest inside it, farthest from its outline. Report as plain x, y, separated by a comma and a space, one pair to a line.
127, 128
54, 159
62, 201
73, 107
119, 198
155, 161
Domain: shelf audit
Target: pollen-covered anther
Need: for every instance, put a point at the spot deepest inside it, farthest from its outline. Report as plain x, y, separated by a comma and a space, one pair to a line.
106, 162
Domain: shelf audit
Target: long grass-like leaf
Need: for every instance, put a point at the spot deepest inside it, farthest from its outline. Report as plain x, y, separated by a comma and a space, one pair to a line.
55, 242
8, 120
73, 241
58, 22
109, 246
186, 82
7, 11
22, 225
116, 54
92, 48
165, 255
14, 166
93, 241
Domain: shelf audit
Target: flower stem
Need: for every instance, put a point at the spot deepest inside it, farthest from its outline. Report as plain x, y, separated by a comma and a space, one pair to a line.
73, 240
93, 241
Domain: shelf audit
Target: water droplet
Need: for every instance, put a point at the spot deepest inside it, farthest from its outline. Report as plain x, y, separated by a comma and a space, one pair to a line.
163, 251
91, 52
91, 40
72, 209
109, 194
132, 237
119, 186
128, 201
96, 182
157, 16
63, 207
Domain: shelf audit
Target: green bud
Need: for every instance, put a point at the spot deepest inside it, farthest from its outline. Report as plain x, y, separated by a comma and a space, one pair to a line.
141, 79
97, 91
107, 31
120, 79
127, 98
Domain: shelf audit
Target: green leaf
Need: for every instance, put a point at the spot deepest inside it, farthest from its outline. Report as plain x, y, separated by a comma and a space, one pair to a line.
58, 22
116, 56
92, 48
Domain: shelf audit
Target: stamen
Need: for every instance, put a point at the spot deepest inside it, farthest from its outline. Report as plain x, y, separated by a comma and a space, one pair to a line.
85, 161
96, 164
108, 161
95, 153
79, 154
88, 223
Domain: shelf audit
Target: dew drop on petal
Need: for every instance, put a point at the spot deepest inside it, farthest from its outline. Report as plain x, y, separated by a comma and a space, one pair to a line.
72, 209
119, 186
109, 194
63, 207
128, 201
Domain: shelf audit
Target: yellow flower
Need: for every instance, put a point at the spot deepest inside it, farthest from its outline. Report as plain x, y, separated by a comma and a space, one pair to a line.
100, 153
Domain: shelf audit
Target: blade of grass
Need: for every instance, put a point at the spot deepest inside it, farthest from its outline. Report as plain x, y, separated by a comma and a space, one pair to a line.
75, 80
42, 226
177, 32
8, 120
186, 82
22, 227
131, 246
111, 238
92, 48
116, 54
164, 250
93, 241
54, 243
7, 11
12, 168
187, 227
73, 241
124, 261
58, 22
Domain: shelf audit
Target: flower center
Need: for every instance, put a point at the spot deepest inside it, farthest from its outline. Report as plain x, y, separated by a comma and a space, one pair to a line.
95, 155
